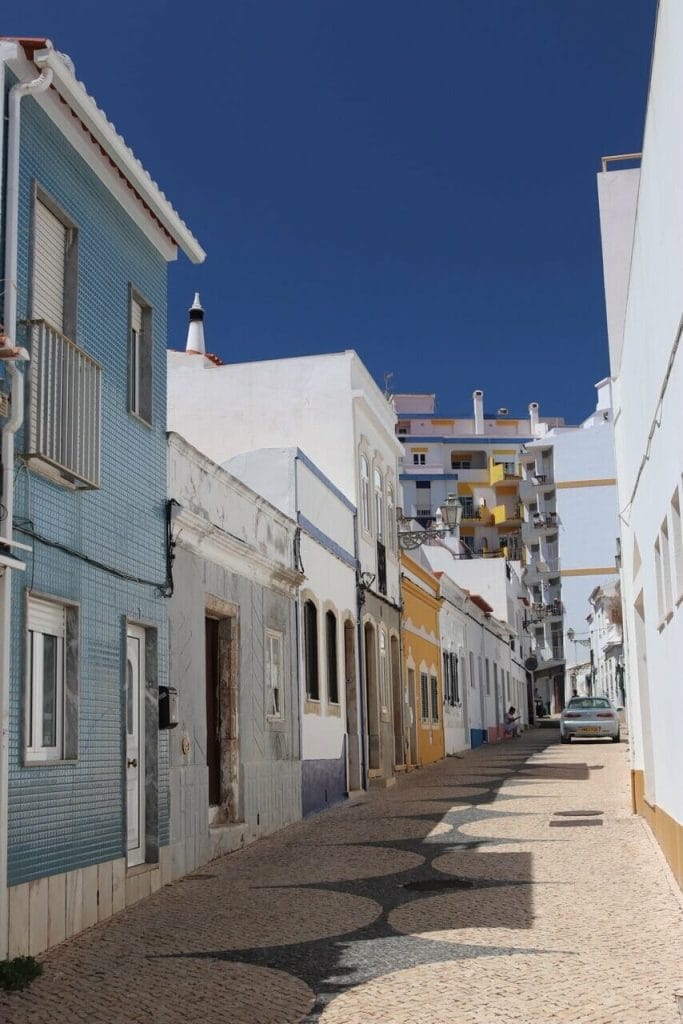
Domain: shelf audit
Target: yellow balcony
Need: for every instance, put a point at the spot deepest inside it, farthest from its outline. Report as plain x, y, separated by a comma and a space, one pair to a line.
502, 473
503, 515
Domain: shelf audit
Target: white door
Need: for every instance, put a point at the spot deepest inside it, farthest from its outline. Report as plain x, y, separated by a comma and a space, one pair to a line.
135, 743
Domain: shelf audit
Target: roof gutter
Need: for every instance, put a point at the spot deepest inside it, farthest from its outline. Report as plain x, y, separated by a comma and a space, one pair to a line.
106, 136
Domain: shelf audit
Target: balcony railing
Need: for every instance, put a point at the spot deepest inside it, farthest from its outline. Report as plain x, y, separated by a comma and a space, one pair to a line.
551, 652
538, 611
65, 398
544, 519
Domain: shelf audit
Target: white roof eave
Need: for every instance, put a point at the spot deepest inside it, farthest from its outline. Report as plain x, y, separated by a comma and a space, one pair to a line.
104, 132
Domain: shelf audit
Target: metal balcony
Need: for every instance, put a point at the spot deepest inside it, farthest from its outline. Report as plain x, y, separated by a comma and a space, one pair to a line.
65, 398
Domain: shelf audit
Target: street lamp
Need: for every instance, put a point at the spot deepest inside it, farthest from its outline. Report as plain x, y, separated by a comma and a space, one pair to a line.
585, 642
450, 515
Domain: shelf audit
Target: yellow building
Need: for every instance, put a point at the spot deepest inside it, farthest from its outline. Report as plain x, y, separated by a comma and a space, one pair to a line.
423, 705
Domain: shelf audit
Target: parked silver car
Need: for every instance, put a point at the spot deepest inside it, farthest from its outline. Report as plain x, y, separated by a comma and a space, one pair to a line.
586, 717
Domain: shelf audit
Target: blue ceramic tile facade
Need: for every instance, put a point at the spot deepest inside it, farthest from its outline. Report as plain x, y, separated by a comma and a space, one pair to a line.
64, 816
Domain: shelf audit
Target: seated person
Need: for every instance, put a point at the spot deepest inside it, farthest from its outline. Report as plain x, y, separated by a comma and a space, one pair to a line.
510, 722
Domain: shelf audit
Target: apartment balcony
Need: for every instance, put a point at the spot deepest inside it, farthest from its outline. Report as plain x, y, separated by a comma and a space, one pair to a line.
412, 469
64, 407
539, 524
532, 483
539, 612
501, 473
550, 656
506, 515
540, 571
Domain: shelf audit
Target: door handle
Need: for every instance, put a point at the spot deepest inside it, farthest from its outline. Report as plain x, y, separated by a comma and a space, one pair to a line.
132, 762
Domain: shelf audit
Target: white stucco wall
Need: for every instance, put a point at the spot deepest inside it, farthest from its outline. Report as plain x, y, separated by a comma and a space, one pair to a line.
648, 403
327, 405
326, 520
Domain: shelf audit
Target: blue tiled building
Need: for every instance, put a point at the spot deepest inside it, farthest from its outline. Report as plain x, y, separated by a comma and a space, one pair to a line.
84, 769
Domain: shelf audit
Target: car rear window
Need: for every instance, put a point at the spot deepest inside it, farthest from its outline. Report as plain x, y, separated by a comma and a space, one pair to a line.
589, 702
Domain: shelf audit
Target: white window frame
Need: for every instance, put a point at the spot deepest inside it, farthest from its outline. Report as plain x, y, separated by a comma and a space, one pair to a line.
274, 674
365, 493
391, 518
434, 696
383, 670
378, 490
677, 543
140, 357
44, 618
666, 569
424, 697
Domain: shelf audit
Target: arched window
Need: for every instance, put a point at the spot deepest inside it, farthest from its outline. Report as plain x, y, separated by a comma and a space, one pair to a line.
365, 493
379, 504
391, 519
311, 650
331, 644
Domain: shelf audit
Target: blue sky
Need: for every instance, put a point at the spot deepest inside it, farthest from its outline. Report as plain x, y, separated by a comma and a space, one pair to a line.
412, 180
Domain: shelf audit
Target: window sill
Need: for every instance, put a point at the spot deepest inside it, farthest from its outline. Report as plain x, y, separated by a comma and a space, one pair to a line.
40, 762
137, 418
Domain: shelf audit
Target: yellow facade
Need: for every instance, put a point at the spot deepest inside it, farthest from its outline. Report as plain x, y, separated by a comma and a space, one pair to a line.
422, 663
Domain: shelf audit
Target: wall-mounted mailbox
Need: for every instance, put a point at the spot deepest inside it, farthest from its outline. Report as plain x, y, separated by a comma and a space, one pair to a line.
168, 707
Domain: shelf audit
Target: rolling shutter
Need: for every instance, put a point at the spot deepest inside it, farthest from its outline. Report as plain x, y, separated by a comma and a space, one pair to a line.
49, 270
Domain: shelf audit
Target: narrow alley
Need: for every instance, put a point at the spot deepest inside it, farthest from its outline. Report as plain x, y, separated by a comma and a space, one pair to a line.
512, 883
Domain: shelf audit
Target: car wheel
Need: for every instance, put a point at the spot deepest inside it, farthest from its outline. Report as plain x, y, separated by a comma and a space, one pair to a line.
565, 739
617, 738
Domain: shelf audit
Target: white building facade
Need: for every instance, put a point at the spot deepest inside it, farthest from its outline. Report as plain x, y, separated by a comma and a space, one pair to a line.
235, 756
641, 218
569, 534
330, 408
330, 727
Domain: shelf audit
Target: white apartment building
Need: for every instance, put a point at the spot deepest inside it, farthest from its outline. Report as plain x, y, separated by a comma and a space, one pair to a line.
641, 219
569, 535
476, 457
329, 407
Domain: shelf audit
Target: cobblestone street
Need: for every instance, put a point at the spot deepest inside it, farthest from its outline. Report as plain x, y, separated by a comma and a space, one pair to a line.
509, 884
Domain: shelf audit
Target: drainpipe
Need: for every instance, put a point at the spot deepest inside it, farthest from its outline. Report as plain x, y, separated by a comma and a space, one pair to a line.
13, 424
360, 601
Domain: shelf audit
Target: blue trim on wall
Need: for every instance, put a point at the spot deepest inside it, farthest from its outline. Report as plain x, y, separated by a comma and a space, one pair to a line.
430, 476
330, 545
323, 783
473, 439
477, 737
324, 479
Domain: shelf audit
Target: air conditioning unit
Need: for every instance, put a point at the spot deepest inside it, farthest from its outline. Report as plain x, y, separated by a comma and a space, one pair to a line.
4, 403
542, 566
503, 412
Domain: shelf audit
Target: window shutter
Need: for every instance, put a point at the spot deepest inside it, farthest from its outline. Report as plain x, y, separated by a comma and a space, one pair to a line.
46, 617
50, 266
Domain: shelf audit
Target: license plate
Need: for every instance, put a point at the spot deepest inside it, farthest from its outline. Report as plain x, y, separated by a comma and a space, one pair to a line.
592, 729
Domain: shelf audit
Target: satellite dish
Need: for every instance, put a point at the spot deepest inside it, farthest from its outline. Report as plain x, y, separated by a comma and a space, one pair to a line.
531, 663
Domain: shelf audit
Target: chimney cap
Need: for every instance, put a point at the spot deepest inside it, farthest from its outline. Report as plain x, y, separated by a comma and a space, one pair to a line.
195, 330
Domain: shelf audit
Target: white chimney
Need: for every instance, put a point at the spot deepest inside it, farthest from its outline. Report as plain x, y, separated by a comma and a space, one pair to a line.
478, 398
533, 419
195, 331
